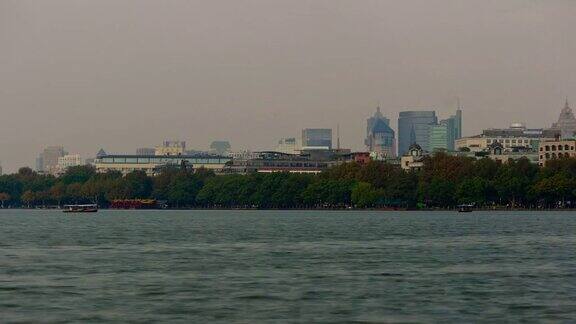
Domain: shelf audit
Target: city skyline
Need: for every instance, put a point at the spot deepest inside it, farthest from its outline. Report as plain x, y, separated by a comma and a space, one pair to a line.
565, 111
97, 74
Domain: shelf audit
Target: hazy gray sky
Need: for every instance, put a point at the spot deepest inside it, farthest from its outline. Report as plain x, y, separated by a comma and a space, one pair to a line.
122, 74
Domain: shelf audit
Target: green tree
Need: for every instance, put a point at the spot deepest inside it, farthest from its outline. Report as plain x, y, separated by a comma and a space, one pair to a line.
78, 174
472, 190
439, 192
137, 185
364, 195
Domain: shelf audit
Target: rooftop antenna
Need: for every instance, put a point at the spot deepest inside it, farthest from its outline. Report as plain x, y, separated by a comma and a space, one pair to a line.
458, 103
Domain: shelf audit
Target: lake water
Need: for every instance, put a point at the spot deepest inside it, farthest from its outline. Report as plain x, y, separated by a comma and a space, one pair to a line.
294, 266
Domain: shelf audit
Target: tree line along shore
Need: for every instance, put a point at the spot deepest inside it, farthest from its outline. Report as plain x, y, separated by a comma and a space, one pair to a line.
444, 182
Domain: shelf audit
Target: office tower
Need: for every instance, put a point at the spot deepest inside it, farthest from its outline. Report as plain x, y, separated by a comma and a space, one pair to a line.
380, 138
439, 137
566, 122
376, 117
451, 133
457, 123
317, 138
414, 127
39, 163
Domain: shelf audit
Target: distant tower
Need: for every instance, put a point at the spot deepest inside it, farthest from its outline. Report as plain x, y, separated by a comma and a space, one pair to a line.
380, 138
566, 122
338, 136
458, 121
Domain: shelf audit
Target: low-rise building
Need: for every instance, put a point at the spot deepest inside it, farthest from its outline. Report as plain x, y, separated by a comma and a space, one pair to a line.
497, 152
153, 164
556, 149
309, 161
481, 143
413, 160
517, 136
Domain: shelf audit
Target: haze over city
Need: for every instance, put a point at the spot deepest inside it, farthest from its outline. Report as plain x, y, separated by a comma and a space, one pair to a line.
127, 74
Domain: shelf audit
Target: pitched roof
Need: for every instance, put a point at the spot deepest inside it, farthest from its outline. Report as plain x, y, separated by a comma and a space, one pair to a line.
381, 127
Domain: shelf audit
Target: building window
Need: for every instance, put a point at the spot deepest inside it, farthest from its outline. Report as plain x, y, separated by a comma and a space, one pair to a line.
566, 147
541, 149
559, 147
547, 148
547, 155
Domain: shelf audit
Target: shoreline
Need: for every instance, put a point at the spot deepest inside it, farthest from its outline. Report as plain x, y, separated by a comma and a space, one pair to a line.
317, 209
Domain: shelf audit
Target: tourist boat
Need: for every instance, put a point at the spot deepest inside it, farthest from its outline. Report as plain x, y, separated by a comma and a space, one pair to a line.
88, 208
465, 208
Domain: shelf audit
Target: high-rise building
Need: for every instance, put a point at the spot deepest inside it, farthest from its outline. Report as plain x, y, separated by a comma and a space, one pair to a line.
380, 138
457, 122
48, 159
288, 145
439, 137
317, 138
566, 122
39, 163
453, 131
414, 128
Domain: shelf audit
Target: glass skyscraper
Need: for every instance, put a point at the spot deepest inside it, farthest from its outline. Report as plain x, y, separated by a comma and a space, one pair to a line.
414, 127
440, 136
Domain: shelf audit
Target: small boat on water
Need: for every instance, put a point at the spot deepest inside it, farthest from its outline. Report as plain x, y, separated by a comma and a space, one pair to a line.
465, 208
88, 208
